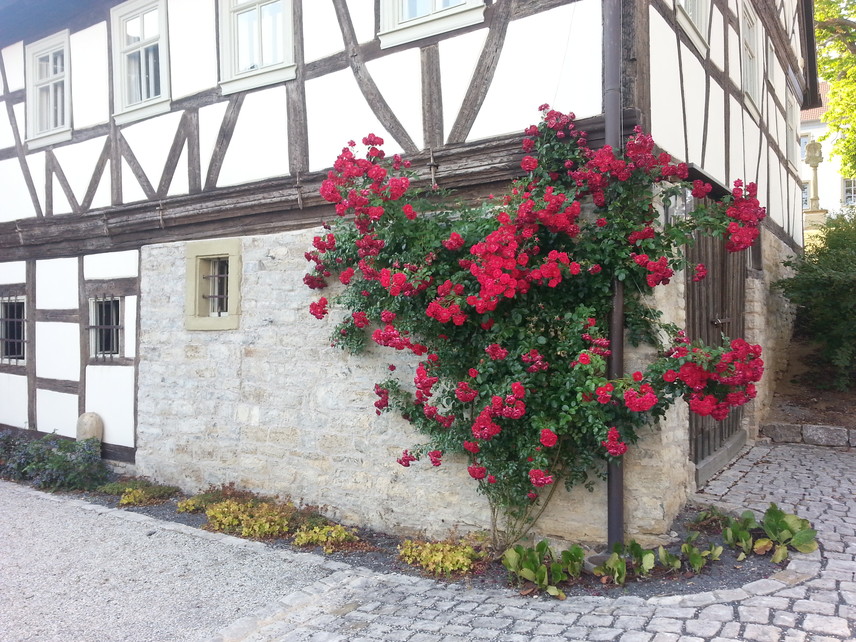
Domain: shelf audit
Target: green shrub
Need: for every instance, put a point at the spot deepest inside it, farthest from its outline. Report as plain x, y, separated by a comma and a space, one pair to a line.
330, 537
257, 519
439, 558
120, 486
53, 463
824, 291
214, 495
541, 566
13, 456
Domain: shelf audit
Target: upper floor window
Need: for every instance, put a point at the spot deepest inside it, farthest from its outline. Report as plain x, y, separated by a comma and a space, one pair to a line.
257, 45
848, 191
408, 20
751, 68
694, 16
140, 58
48, 95
13, 345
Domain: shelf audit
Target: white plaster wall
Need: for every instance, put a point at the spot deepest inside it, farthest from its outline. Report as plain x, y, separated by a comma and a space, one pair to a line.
180, 183
90, 97
131, 189
56, 284
16, 202
20, 119
259, 145
210, 119
61, 204
398, 76
13, 272
714, 160
36, 165
58, 351
130, 322
320, 18
735, 144
667, 118
717, 40
56, 412
150, 141
112, 265
13, 60
362, 15
694, 95
566, 36
13, 400
734, 70
192, 46
78, 163
458, 58
110, 393
7, 136
329, 134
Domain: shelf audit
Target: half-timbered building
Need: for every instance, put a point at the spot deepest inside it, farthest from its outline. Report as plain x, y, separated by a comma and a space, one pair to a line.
159, 170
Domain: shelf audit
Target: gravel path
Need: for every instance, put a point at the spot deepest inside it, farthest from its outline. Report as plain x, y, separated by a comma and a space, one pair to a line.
73, 571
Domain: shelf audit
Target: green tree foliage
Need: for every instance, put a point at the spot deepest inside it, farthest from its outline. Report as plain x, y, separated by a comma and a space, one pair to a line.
835, 29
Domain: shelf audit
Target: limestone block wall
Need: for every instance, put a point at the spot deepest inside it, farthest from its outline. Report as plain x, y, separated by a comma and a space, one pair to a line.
273, 408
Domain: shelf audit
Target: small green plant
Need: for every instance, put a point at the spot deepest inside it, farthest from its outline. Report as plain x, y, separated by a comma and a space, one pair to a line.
615, 566
738, 533
542, 567
783, 530
256, 519
54, 463
710, 520
147, 495
13, 459
213, 495
698, 558
643, 560
670, 562
122, 484
330, 537
445, 558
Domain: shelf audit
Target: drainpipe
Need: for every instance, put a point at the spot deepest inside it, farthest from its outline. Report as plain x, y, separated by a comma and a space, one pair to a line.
612, 122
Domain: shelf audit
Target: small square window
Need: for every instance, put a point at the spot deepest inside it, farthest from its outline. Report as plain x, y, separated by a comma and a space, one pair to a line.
257, 43
404, 21
140, 58
213, 285
105, 328
849, 191
48, 95
13, 327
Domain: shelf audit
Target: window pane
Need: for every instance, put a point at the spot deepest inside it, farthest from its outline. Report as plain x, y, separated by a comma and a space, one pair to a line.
44, 108
133, 73
58, 62
271, 33
152, 70
12, 330
43, 67
59, 104
445, 4
151, 26
415, 8
133, 30
247, 27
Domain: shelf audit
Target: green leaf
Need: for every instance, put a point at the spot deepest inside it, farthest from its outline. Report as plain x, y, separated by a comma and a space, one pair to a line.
527, 574
780, 554
762, 546
805, 541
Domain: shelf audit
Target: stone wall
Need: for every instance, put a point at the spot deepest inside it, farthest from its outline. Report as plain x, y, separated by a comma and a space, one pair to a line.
272, 407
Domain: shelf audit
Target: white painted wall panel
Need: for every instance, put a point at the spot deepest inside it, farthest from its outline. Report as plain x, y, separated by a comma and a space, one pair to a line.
180, 182
762, 179
13, 400
458, 58
130, 322
210, 119
717, 39
56, 284
36, 163
192, 46
16, 202
131, 189
20, 119
78, 163
327, 136
320, 18
714, 159
667, 118
735, 143
566, 36
110, 393
362, 15
90, 84
13, 60
56, 412
13, 272
7, 135
113, 265
399, 79
259, 145
694, 93
58, 350
60, 204
150, 141
751, 147
734, 70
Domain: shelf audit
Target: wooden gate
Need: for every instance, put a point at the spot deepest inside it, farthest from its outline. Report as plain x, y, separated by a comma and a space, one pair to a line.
715, 307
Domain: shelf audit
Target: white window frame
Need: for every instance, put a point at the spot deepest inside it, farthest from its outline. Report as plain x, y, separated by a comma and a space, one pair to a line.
4, 358
125, 111
694, 18
200, 310
396, 30
750, 38
848, 191
37, 136
231, 78
97, 331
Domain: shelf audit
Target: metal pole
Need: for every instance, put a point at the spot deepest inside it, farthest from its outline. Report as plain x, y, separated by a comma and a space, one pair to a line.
612, 123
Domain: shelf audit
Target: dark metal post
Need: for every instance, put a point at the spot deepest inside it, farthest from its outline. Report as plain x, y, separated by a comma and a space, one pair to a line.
612, 123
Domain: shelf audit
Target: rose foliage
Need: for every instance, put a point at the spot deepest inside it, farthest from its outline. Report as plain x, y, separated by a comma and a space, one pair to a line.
506, 305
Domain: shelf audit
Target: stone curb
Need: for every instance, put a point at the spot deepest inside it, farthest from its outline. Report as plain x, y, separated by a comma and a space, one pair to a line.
812, 434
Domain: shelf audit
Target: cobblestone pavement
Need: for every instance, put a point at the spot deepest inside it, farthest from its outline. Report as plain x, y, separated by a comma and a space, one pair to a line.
813, 600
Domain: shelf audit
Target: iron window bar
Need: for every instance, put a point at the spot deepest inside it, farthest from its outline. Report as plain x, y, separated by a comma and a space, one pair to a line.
218, 287
12, 330
105, 333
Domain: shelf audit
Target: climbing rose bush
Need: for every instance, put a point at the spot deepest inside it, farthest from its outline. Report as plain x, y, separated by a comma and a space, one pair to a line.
506, 305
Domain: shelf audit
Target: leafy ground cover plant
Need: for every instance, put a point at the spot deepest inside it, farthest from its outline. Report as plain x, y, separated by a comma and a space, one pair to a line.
52, 462
135, 491
444, 559
506, 306
256, 519
214, 494
330, 537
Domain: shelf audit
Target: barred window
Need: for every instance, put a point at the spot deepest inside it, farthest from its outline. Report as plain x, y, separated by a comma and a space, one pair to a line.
13, 344
105, 329
217, 276
213, 285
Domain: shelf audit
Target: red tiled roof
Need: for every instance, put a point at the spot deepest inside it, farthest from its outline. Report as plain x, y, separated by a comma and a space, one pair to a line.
817, 112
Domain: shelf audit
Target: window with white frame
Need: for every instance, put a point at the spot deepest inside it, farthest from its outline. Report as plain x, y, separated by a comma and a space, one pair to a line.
105, 327
404, 21
140, 58
48, 95
751, 68
694, 17
804, 138
13, 324
213, 285
848, 191
256, 42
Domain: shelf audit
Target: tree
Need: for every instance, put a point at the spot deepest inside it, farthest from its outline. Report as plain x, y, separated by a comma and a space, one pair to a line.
835, 29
